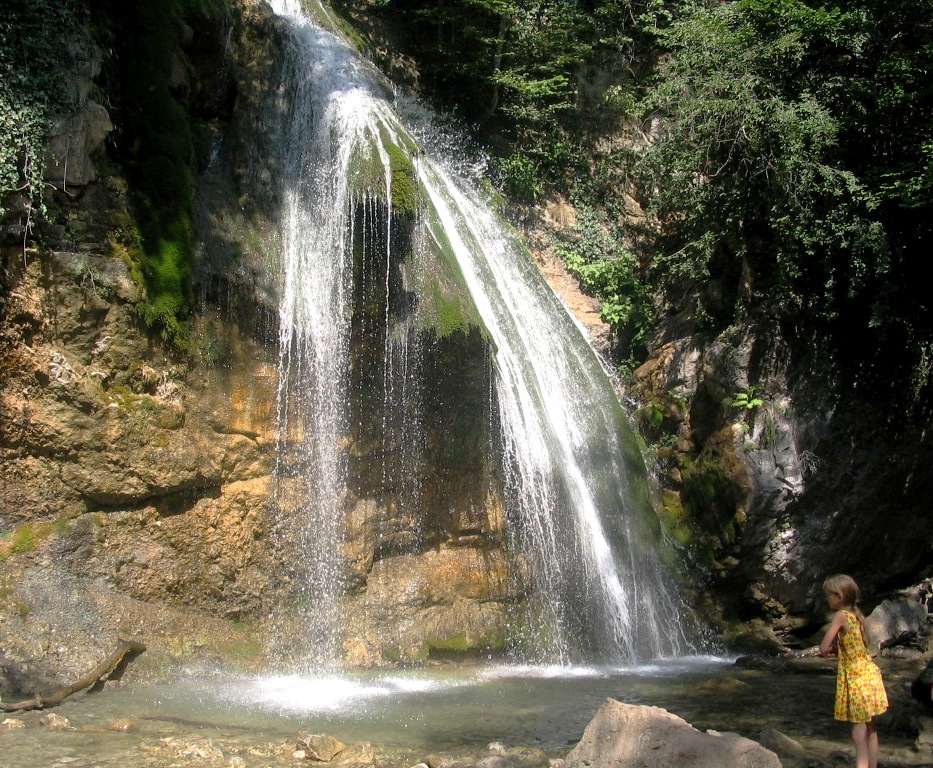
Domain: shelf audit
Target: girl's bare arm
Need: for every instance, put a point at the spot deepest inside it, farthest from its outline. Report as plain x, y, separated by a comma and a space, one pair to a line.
837, 624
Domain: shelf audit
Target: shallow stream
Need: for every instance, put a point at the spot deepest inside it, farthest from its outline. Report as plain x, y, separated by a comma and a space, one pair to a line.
215, 720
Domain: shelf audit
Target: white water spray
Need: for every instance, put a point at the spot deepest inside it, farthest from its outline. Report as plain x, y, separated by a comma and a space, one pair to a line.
577, 510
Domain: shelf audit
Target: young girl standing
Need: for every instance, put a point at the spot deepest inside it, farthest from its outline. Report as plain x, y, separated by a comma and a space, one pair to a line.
860, 694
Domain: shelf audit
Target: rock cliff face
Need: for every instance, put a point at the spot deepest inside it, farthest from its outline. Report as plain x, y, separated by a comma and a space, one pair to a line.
146, 488
770, 488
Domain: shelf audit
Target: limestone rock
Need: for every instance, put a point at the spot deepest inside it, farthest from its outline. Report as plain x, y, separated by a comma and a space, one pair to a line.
452, 598
320, 747
123, 724
75, 140
357, 753
496, 755
894, 621
55, 721
782, 745
629, 736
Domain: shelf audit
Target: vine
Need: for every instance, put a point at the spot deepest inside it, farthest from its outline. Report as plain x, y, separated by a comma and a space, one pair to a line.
33, 62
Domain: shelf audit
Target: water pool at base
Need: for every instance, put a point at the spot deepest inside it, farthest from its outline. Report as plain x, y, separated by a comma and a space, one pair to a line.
408, 714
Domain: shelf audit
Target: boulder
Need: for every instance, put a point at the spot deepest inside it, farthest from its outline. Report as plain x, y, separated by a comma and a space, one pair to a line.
75, 141
626, 736
320, 747
783, 745
894, 621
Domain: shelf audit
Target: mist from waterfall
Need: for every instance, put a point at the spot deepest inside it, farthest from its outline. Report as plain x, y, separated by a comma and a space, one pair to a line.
575, 507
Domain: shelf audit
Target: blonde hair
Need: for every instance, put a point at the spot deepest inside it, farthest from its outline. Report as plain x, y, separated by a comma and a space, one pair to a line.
845, 588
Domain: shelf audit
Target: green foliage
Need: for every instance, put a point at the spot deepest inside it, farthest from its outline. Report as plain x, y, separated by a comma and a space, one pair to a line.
776, 171
608, 270
27, 537
34, 37
712, 500
160, 146
521, 178
745, 168
789, 168
748, 400
512, 69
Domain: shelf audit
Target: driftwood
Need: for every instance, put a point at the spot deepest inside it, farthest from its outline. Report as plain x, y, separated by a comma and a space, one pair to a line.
125, 652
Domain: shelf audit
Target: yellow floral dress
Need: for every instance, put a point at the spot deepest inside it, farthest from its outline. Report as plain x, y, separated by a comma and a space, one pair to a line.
860, 693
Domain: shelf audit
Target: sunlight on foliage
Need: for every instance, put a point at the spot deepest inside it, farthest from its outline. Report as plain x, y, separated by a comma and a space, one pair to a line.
34, 55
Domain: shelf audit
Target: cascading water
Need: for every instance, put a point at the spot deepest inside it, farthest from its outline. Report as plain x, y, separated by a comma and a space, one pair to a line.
579, 508
575, 508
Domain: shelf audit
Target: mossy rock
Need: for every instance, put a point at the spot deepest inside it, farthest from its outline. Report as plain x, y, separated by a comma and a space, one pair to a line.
675, 520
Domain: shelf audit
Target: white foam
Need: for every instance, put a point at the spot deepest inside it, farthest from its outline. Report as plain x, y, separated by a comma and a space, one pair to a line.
330, 693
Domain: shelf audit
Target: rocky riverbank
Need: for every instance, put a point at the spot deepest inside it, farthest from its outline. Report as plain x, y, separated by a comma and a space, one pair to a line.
785, 706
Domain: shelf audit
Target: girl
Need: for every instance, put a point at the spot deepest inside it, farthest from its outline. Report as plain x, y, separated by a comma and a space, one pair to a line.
860, 694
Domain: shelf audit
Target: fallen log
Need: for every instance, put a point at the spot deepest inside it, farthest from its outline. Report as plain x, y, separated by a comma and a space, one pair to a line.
126, 651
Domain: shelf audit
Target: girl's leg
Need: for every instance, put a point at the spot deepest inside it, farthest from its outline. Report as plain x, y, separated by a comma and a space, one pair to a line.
860, 737
872, 744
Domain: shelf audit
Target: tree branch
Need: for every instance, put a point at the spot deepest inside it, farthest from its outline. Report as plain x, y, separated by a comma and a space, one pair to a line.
126, 651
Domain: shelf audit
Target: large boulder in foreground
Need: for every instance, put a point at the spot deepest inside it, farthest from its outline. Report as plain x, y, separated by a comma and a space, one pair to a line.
630, 736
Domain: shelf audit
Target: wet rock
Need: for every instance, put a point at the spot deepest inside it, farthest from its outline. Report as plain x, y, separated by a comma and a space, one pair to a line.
924, 741
320, 747
494, 761
525, 757
626, 736
55, 722
194, 750
266, 750
457, 758
921, 687
497, 755
358, 753
902, 653
121, 725
450, 598
202, 749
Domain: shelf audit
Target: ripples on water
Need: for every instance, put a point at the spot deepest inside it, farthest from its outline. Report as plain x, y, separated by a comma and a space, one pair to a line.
409, 714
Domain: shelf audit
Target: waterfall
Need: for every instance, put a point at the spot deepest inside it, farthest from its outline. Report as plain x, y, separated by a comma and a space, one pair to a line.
576, 490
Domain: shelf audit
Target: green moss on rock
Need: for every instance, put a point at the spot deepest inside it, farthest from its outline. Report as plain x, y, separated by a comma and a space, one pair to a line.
160, 147
404, 189
675, 519
713, 500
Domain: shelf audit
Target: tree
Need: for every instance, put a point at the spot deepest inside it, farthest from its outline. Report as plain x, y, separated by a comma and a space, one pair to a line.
743, 174
791, 162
